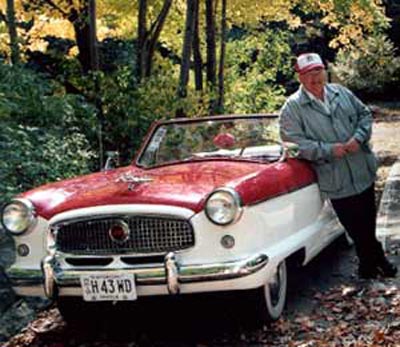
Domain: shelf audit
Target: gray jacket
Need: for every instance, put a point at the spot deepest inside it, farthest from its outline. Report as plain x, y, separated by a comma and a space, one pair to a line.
305, 122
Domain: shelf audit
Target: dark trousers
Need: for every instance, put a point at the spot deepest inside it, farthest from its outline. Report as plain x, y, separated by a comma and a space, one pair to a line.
357, 214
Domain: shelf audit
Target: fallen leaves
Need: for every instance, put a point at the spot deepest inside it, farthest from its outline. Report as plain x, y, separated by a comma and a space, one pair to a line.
363, 314
349, 316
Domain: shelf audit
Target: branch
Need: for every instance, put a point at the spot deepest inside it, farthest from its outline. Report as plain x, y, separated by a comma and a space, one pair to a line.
3, 17
54, 6
156, 27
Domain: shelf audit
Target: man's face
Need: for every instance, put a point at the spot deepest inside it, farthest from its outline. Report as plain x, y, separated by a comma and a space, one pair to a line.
314, 81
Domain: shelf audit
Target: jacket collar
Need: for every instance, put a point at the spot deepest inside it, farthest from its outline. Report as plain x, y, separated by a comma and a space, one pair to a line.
332, 94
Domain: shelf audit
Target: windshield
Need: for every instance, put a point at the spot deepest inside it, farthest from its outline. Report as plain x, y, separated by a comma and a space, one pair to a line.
236, 138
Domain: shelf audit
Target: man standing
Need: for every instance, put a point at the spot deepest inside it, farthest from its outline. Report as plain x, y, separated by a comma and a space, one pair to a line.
332, 128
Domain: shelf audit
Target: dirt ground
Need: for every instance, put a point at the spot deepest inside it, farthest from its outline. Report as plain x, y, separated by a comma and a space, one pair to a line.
327, 304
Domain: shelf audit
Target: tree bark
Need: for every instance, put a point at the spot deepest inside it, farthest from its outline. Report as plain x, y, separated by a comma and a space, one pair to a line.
81, 23
191, 6
198, 62
147, 39
211, 51
94, 67
221, 70
94, 52
154, 34
79, 17
211, 45
12, 31
141, 39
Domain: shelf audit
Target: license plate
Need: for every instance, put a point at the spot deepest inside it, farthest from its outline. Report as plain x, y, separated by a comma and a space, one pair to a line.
108, 287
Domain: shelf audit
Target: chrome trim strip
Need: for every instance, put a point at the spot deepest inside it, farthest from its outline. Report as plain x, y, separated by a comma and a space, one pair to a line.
24, 277
120, 215
171, 274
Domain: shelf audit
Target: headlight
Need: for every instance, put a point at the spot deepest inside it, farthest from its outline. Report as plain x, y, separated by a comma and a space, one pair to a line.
18, 215
223, 206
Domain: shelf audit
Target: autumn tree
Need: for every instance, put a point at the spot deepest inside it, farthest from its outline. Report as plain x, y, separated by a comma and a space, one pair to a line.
197, 58
191, 11
221, 68
81, 15
211, 49
147, 37
12, 30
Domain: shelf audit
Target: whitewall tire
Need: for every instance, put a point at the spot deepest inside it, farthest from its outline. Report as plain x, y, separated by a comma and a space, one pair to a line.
270, 299
275, 293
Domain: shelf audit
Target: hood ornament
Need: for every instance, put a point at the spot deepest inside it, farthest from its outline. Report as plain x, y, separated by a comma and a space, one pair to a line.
133, 180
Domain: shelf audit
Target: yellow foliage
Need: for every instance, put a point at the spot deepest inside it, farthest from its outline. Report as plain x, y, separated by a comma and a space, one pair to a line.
250, 12
353, 18
118, 18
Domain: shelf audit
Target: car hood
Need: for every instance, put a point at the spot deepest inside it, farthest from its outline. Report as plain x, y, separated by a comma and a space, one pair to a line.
183, 185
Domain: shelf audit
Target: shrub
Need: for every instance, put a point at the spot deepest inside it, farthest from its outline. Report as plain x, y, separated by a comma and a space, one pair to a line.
45, 134
129, 108
370, 66
34, 156
257, 66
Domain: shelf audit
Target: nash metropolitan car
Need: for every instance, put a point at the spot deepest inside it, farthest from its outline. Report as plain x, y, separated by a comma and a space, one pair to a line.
209, 204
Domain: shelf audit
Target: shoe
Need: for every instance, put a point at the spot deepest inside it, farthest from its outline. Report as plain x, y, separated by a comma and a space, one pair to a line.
387, 269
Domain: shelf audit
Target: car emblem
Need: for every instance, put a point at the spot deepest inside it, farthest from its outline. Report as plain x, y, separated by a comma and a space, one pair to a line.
133, 181
119, 231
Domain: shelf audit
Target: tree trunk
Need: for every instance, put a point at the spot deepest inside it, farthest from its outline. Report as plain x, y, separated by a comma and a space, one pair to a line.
12, 30
141, 39
187, 46
81, 23
94, 67
94, 53
154, 34
211, 50
147, 39
211, 45
198, 62
221, 89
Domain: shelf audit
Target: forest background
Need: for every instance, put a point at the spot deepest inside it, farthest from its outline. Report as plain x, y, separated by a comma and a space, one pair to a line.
80, 78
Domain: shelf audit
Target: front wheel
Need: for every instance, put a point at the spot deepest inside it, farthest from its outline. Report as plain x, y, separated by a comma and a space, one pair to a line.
269, 301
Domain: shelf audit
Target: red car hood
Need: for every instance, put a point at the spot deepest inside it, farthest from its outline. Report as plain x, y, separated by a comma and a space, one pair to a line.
184, 185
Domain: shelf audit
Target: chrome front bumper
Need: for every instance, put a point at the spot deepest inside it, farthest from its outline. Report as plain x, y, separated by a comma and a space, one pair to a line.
171, 273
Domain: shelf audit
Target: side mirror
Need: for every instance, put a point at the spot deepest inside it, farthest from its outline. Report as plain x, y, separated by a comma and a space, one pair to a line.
112, 160
290, 150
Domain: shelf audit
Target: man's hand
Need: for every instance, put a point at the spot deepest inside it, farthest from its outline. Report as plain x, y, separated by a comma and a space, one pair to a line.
352, 146
339, 150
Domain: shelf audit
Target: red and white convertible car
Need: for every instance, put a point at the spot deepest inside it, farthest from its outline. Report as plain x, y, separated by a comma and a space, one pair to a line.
209, 204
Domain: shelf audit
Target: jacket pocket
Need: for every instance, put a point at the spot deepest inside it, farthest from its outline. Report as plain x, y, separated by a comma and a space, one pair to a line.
328, 177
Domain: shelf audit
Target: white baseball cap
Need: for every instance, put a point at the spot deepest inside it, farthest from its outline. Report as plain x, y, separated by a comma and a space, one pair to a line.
307, 62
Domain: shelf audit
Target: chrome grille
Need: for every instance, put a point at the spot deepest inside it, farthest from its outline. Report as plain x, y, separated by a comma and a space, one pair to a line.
146, 235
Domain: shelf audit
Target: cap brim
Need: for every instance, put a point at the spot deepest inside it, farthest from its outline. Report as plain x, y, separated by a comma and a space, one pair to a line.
310, 67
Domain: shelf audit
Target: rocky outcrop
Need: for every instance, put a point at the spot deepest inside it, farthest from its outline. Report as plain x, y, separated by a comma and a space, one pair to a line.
15, 312
7, 297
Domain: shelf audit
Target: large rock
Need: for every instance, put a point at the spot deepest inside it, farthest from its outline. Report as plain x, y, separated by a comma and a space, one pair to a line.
15, 313
7, 296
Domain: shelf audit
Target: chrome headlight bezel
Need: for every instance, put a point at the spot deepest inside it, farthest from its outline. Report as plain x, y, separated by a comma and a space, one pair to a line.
24, 219
223, 206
